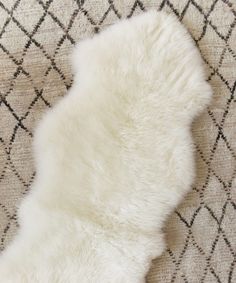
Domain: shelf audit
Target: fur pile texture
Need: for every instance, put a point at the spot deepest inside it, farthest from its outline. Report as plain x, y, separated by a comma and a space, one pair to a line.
114, 157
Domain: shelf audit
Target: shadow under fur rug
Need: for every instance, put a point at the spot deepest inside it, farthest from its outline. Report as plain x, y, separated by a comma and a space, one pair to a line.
114, 157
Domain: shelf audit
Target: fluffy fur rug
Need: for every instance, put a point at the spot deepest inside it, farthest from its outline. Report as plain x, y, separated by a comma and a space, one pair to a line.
114, 157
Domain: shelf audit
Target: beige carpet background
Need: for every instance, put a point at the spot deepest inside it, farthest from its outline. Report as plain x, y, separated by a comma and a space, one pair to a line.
36, 38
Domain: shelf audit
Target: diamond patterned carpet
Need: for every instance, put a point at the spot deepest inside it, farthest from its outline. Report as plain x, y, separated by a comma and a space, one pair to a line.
36, 38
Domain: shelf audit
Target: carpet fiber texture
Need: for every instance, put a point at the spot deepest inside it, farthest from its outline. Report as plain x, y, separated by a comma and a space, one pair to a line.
114, 157
36, 38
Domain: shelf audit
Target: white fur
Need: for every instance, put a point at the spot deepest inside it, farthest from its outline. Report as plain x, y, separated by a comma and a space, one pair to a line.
114, 158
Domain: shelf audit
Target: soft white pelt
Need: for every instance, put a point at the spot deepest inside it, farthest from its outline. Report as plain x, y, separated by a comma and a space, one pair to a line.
114, 158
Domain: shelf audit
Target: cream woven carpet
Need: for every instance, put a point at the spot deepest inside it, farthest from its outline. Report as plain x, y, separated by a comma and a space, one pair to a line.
36, 38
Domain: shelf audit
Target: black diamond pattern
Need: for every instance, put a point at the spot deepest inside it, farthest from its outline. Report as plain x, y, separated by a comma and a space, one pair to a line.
201, 241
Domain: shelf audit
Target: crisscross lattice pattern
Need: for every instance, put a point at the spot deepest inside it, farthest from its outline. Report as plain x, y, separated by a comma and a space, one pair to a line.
36, 37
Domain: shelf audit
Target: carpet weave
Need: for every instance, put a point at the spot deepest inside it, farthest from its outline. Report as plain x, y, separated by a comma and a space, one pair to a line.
36, 38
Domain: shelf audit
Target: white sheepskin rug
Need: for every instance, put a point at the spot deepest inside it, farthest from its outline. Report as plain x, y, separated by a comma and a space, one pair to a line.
114, 158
